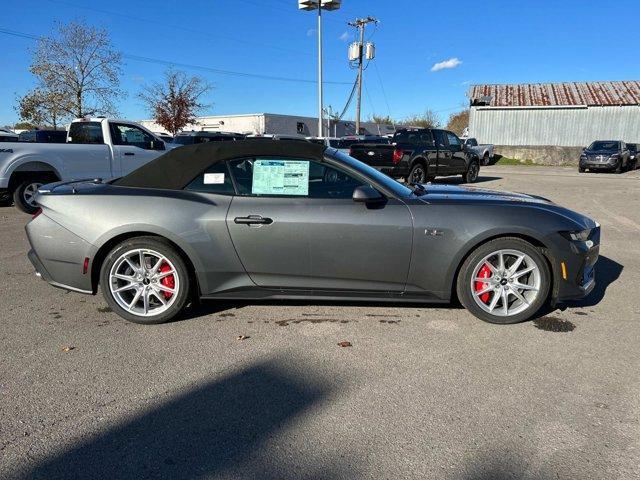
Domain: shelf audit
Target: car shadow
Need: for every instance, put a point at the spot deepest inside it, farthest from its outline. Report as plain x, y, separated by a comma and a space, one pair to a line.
223, 427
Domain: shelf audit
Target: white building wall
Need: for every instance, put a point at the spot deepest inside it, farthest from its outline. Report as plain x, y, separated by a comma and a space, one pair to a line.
558, 126
270, 123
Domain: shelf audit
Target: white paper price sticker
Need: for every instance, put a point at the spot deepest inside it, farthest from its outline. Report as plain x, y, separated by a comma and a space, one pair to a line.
213, 178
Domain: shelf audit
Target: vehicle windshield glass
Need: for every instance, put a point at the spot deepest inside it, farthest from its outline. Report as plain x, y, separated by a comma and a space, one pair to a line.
604, 146
378, 177
183, 140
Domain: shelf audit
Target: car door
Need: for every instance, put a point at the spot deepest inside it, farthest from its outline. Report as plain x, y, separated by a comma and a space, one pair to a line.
458, 159
295, 226
444, 154
132, 147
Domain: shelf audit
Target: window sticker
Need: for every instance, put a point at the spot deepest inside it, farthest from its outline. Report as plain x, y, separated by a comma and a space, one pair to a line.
213, 178
280, 177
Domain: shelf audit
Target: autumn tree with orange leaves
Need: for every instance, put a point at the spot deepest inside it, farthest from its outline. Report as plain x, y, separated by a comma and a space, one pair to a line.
175, 102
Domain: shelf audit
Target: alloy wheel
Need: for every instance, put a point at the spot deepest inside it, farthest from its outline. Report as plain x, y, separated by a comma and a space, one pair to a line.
505, 282
29, 193
144, 282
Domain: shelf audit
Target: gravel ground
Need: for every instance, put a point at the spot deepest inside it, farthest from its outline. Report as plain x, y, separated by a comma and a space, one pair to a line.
423, 392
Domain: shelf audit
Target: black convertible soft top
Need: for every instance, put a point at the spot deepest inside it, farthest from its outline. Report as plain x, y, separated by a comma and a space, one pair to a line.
176, 168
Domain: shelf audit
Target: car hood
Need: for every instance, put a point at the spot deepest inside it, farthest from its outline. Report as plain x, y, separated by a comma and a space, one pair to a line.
465, 193
483, 196
600, 152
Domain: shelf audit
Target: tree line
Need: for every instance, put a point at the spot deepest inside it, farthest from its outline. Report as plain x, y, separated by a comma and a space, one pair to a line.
78, 73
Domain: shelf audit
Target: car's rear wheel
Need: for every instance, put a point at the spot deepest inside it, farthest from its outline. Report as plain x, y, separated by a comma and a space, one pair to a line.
418, 174
485, 159
145, 280
471, 175
24, 195
506, 280
581, 170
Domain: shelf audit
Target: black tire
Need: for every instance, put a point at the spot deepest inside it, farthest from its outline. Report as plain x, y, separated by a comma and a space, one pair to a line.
485, 159
581, 170
471, 175
22, 193
164, 248
463, 283
619, 167
417, 174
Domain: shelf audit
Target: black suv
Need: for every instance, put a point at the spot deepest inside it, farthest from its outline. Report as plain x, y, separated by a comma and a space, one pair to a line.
419, 155
191, 138
607, 155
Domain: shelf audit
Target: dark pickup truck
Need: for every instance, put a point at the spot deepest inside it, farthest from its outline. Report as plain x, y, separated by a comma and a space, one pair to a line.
419, 155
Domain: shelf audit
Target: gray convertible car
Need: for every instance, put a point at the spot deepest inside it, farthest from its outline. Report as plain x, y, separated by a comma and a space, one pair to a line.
285, 219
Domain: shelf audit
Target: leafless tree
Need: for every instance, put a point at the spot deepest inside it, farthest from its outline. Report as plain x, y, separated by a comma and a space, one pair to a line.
78, 64
429, 119
175, 102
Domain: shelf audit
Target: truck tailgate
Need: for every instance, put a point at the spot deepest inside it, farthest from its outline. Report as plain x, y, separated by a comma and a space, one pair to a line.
373, 154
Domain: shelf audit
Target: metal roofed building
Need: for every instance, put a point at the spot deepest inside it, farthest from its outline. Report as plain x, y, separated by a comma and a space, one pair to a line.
570, 114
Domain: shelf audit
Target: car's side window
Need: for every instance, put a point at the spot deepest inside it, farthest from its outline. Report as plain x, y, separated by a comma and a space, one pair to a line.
123, 134
439, 137
215, 179
454, 141
291, 177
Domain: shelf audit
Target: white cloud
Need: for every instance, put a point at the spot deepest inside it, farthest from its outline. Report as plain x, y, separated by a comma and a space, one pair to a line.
345, 36
311, 32
451, 63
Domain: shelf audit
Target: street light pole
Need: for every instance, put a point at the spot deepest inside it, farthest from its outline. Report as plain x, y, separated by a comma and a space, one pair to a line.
319, 5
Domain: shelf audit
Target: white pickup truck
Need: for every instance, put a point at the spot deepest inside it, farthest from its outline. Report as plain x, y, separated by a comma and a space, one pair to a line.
96, 148
484, 152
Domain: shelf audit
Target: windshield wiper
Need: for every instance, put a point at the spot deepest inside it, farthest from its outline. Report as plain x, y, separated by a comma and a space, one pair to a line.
418, 189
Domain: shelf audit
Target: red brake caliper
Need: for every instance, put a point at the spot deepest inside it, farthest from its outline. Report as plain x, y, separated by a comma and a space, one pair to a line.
167, 281
485, 272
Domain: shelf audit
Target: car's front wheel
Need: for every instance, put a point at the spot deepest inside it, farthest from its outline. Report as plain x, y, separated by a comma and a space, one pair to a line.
145, 280
506, 280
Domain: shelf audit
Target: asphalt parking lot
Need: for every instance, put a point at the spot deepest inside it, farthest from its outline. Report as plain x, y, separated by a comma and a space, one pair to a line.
423, 392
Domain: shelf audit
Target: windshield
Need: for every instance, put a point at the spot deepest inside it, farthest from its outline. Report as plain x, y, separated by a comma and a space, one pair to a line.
604, 146
387, 182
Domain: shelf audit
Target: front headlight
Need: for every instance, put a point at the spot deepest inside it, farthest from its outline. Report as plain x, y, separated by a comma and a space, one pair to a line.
577, 236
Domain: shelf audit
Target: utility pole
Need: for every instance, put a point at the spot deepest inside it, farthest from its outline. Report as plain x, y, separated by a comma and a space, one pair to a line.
361, 52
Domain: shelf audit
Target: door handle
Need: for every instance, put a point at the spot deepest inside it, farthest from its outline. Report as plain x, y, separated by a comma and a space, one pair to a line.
128, 154
253, 220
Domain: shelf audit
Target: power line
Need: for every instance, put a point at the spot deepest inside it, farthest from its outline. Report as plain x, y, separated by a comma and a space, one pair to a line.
384, 93
188, 65
207, 34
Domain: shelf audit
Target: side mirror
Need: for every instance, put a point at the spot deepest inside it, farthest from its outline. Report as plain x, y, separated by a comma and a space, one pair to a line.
367, 194
157, 145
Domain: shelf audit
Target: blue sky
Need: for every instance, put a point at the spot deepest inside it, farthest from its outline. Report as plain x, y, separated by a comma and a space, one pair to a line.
494, 42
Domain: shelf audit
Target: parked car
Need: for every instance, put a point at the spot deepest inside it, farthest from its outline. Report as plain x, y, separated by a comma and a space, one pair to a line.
43, 136
287, 219
95, 148
349, 140
193, 138
8, 136
333, 142
608, 155
483, 152
633, 155
419, 155
277, 136
165, 137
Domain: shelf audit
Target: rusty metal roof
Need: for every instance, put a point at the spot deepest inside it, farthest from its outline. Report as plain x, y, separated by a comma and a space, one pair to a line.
557, 94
